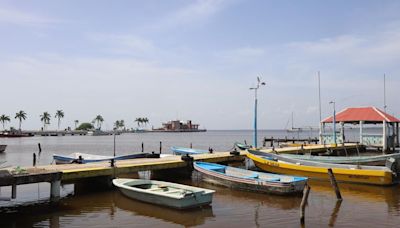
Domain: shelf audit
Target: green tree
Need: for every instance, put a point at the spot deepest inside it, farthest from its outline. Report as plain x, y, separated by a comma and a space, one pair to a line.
85, 126
45, 118
139, 121
76, 123
116, 125
4, 119
99, 120
21, 115
59, 115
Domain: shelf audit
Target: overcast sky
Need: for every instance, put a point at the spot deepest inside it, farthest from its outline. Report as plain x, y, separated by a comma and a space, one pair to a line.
196, 60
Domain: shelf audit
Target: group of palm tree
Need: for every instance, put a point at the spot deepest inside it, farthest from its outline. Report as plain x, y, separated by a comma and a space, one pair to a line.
46, 117
141, 120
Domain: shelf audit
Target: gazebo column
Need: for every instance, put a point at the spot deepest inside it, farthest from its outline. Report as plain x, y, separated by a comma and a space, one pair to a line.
361, 132
321, 126
397, 134
384, 136
342, 131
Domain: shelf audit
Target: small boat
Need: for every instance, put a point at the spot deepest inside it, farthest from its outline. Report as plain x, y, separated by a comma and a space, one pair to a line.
242, 146
250, 180
82, 158
371, 160
3, 148
167, 194
275, 163
187, 151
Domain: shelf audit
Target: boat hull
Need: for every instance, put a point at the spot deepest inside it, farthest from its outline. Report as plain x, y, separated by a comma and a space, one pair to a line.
61, 159
374, 177
200, 197
251, 184
3, 148
187, 151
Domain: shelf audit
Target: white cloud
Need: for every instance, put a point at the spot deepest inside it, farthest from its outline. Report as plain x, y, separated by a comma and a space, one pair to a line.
17, 17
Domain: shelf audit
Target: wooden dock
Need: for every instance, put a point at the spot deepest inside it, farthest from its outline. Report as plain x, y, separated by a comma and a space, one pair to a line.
56, 174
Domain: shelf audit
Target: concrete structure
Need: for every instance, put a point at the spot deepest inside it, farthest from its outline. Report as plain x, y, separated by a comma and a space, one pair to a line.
362, 116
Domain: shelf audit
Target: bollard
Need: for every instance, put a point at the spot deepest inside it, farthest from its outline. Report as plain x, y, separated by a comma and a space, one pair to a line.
34, 159
160, 147
306, 192
334, 184
13, 191
142, 147
40, 148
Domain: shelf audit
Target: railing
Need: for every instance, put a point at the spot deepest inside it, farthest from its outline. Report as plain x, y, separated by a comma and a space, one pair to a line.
372, 139
328, 139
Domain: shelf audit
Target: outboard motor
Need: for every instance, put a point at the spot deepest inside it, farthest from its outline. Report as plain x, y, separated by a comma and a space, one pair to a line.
393, 164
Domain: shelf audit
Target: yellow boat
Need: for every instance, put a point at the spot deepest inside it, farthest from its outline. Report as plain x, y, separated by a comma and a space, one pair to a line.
274, 163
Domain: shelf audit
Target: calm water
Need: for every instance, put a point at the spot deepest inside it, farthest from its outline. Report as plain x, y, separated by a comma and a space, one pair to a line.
363, 206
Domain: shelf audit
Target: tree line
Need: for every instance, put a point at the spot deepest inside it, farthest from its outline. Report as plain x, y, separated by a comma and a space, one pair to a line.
45, 118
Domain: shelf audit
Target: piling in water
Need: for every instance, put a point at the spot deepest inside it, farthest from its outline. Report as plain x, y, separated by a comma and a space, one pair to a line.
334, 184
306, 192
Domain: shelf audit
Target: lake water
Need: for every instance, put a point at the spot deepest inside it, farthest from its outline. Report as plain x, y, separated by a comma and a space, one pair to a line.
363, 206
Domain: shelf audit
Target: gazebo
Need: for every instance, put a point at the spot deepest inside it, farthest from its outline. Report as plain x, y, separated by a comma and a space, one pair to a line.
389, 138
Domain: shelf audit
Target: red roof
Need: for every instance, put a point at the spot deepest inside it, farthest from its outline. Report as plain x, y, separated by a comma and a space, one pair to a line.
367, 114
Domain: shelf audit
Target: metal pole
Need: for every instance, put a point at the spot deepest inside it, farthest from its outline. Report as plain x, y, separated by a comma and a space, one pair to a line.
255, 120
114, 143
334, 121
319, 97
384, 92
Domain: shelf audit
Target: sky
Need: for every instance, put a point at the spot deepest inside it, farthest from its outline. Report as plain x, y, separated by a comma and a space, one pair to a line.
181, 59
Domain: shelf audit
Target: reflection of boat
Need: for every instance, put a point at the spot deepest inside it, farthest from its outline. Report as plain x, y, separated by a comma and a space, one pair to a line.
185, 218
189, 151
87, 158
2, 148
167, 194
242, 146
348, 173
375, 160
250, 180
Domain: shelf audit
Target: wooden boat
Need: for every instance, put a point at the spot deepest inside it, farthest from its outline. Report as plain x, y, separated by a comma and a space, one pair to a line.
347, 173
250, 180
187, 151
3, 148
167, 194
372, 160
88, 158
242, 146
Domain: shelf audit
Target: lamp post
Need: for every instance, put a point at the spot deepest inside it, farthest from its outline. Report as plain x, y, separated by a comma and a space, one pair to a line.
334, 121
255, 109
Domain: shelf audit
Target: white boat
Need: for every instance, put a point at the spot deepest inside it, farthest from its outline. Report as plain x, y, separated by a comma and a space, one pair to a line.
167, 194
87, 158
187, 151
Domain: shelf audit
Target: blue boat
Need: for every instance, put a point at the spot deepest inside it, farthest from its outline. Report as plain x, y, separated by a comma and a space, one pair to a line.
249, 180
242, 146
187, 151
82, 158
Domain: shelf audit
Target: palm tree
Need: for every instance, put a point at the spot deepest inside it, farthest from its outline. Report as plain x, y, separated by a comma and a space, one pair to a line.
21, 115
122, 124
146, 121
139, 121
116, 125
59, 115
45, 118
4, 119
76, 123
99, 119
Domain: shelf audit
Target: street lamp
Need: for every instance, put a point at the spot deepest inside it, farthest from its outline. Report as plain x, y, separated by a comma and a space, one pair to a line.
334, 121
259, 83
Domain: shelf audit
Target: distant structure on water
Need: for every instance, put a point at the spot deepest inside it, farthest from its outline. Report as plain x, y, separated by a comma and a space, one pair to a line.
179, 126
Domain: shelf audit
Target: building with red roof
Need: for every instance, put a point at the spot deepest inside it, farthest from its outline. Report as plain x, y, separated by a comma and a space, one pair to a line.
365, 115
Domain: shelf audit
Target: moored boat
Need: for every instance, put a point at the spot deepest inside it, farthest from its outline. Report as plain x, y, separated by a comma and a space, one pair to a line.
274, 163
3, 148
362, 160
187, 151
250, 180
83, 158
242, 146
167, 194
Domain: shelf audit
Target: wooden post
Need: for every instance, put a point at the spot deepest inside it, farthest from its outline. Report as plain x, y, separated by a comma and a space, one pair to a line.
13, 191
306, 192
272, 141
191, 145
161, 146
334, 184
361, 132
55, 190
142, 147
34, 159
384, 135
40, 148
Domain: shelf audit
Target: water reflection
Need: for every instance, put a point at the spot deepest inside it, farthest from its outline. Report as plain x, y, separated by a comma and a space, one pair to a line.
192, 217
